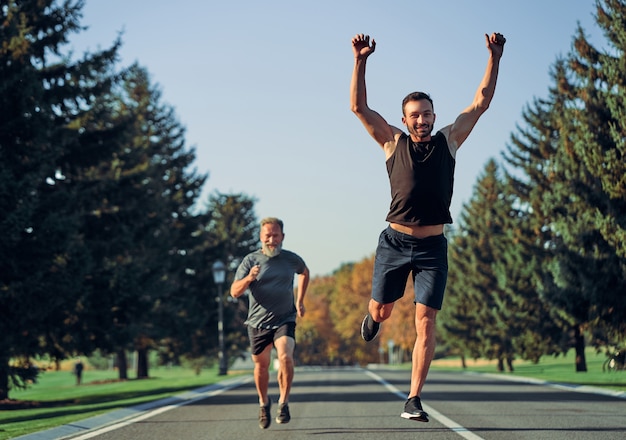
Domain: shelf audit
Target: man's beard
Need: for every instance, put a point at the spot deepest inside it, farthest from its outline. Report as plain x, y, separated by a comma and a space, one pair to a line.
422, 131
272, 252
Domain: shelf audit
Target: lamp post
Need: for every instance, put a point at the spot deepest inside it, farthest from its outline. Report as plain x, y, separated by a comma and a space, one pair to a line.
219, 276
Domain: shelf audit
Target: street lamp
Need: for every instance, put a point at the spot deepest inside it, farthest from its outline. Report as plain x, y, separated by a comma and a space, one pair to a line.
219, 276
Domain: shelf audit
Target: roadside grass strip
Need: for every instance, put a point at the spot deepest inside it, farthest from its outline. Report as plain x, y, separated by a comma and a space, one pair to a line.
113, 420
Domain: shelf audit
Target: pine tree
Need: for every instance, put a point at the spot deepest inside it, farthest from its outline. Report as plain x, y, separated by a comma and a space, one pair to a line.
593, 221
476, 252
226, 229
42, 258
571, 156
141, 195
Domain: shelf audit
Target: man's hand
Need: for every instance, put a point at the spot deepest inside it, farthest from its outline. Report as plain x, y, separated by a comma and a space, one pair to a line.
301, 309
495, 44
254, 272
361, 46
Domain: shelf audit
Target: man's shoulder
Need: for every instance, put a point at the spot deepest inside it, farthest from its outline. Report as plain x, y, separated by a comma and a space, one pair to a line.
253, 253
288, 253
292, 257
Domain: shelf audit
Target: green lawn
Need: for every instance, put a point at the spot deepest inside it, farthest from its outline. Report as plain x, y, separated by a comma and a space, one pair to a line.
552, 369
56, 400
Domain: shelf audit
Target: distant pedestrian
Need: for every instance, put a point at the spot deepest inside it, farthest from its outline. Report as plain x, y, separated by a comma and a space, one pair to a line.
420, 166
78, 371
268, 274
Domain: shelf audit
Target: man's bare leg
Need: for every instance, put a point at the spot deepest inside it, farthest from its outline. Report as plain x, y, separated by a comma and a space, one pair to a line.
285, 346
284, 349
424, 348
262, 374
379, 312
262, 380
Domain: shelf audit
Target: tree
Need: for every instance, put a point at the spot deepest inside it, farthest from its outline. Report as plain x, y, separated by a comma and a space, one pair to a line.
318, 342
142, 194
43, 261
572, 157
457, 326
226, 230
478, 248
592, 221
353, 289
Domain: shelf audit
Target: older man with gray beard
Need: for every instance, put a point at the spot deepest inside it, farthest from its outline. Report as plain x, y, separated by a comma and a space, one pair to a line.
268, 274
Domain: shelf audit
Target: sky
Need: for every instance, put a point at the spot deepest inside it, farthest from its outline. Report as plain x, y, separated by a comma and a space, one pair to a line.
262, 89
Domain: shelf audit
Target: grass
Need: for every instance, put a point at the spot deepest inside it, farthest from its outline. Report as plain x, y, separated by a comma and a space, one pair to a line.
551, 369
56, 400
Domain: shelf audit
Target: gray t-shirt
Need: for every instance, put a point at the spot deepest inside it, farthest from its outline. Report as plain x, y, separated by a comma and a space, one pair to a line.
271, 299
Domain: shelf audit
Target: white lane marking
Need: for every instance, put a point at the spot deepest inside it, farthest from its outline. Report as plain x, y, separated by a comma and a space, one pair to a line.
432, 412
196, 396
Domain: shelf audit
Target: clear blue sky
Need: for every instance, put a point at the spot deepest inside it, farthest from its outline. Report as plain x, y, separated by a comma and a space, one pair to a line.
263, 91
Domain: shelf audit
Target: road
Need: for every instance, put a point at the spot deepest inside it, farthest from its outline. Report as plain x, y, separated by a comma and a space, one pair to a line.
356, 403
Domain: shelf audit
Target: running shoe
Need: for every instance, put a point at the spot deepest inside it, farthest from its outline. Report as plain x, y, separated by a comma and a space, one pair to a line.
413, 410
264, 416
283, 415
369, 328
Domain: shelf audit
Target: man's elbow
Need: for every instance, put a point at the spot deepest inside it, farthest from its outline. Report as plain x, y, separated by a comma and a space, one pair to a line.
357, 109
233, 292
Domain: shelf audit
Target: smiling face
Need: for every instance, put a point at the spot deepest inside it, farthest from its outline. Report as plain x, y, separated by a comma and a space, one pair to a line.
419, 118
271, 239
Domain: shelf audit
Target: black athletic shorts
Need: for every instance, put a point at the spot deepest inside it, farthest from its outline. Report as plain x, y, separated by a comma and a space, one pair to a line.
260, 338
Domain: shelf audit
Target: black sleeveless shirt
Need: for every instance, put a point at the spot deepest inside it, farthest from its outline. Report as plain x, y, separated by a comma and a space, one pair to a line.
421, 176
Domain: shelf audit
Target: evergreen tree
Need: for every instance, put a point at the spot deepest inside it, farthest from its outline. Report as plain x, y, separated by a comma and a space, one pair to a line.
42, 259
571, 157
592, 219
226, 230
457, 325
141, 195
478, 250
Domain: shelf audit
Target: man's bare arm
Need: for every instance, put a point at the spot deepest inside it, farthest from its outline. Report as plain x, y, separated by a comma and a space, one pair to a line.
303, 284
239, 287
373, 122
465, 122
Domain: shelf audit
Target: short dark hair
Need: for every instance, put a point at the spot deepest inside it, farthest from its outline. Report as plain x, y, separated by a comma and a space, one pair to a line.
416, 96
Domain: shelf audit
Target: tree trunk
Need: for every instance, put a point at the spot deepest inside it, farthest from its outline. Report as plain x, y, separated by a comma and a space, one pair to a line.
579, 344
463, 363
122, 365
142, 363
500, 364
4, 378
509, 364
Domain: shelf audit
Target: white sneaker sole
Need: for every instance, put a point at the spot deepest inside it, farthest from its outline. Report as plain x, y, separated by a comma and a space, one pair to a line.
418, 418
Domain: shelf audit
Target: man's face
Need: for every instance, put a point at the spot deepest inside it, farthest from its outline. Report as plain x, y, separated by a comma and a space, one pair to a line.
419, 118
271, 239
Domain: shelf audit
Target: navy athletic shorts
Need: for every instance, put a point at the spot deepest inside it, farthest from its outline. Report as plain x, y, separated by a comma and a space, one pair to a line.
399, 254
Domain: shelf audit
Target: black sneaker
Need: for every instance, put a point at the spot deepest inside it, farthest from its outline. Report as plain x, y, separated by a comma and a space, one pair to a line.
369, 328
413, 410
283, 415
264, 416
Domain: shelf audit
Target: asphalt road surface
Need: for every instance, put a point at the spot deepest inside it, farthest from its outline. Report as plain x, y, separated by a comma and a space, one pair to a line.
355, 403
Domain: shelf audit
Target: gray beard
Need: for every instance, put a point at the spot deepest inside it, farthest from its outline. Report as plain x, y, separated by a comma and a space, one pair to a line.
271, 252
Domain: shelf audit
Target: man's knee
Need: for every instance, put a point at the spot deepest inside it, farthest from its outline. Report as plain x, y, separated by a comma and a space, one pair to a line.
379, 312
